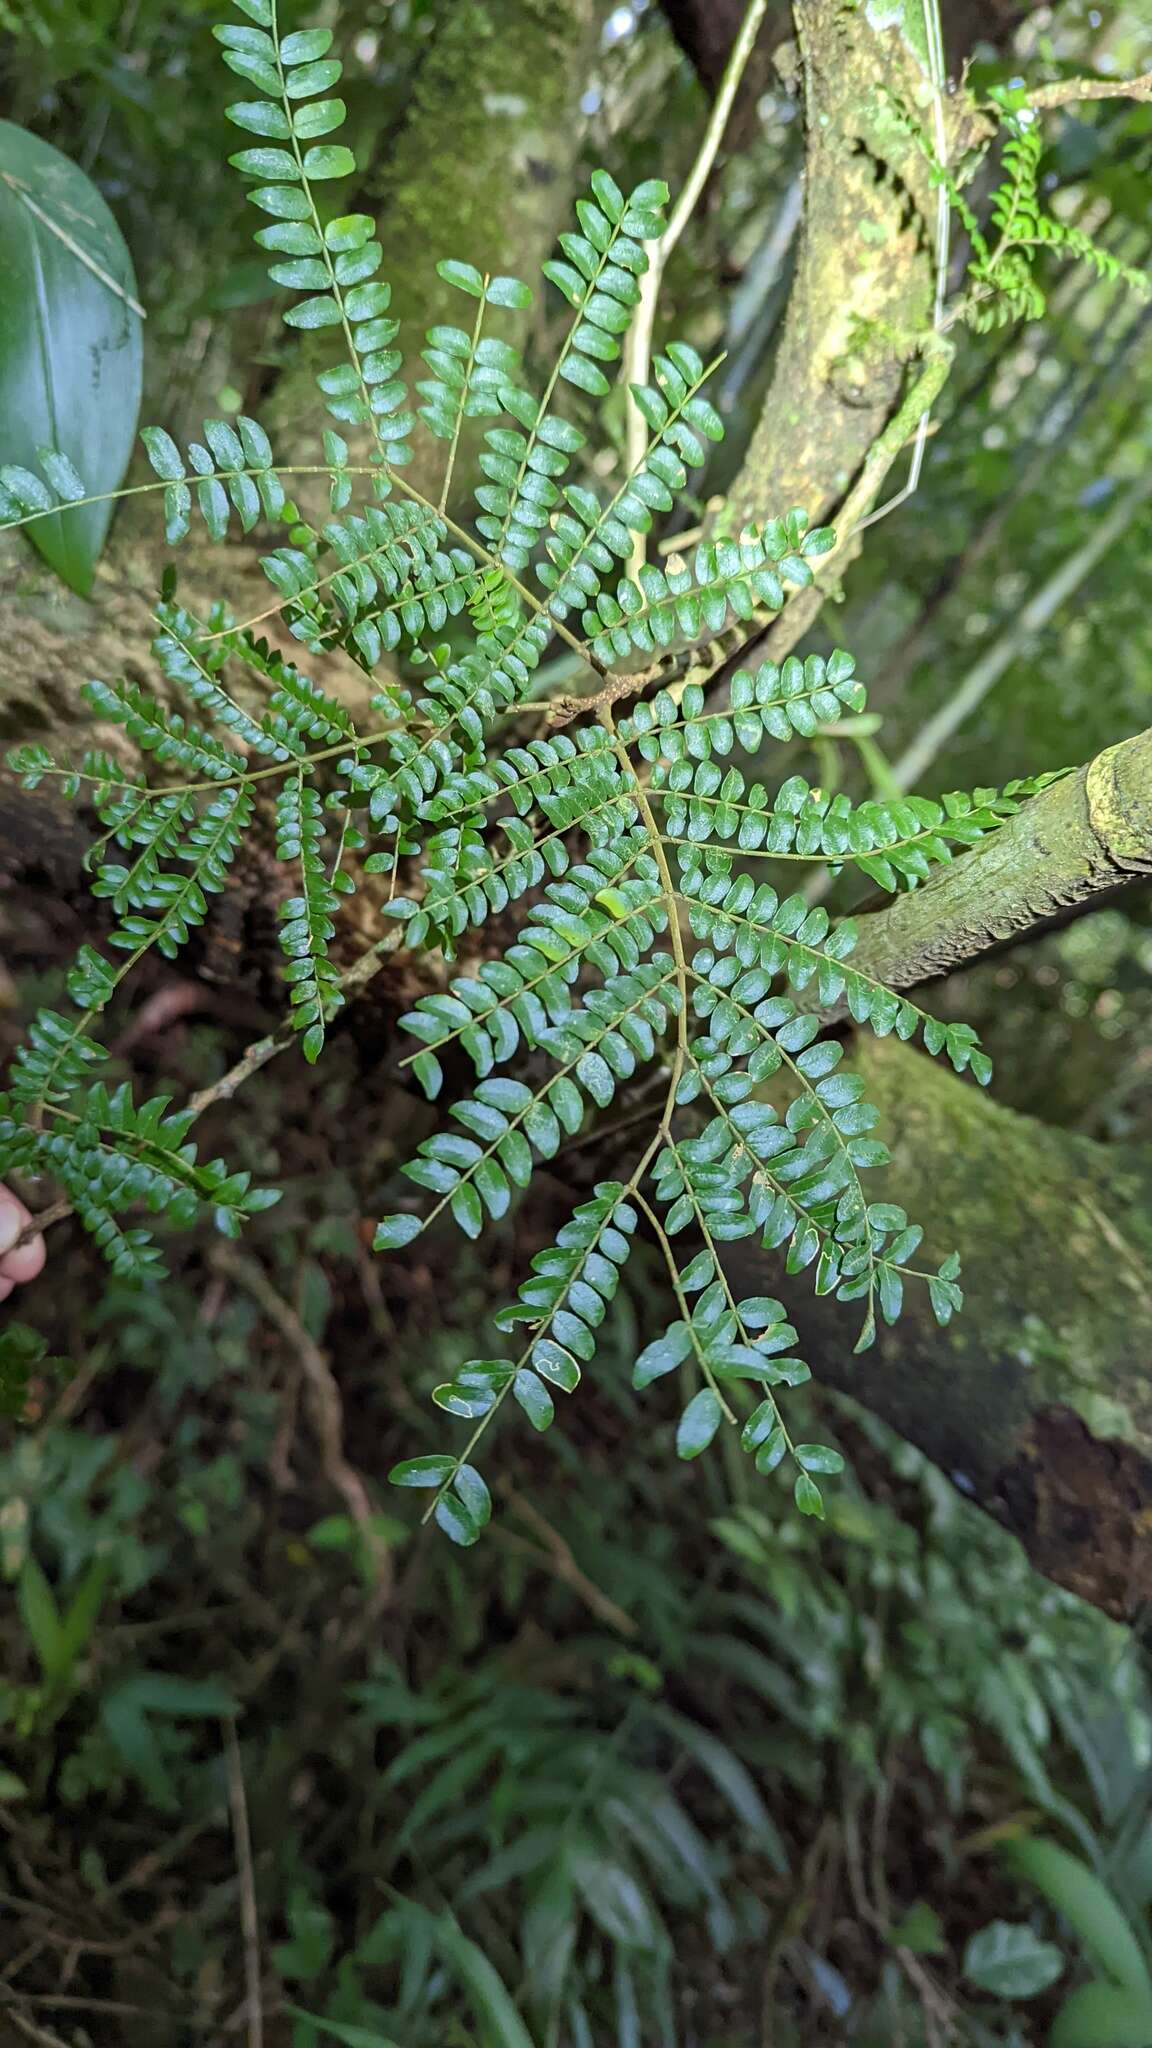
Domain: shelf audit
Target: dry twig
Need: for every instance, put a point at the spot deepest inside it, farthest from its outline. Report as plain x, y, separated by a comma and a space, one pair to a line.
249, 1917
556, 1557
327, 1409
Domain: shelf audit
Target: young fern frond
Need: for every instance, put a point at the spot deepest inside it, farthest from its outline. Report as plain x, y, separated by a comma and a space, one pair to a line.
246, 481
787, 939
470, 372
648, 942
1004, 284
157, 828
175, 741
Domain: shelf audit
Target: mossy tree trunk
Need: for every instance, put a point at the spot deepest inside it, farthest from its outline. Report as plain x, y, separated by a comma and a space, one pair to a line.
857, 342
1036, 1400
862, 293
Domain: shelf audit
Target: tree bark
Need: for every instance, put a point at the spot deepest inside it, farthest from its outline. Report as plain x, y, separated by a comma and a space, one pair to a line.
1036, 1400
483, 165
863, 286
857, 337
707, 29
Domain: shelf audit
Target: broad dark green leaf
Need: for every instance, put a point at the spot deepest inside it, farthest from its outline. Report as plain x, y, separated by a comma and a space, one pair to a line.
430, 1471
71, 342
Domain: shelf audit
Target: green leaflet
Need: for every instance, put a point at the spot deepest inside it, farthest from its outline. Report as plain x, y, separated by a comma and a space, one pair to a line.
231, 469
599, 277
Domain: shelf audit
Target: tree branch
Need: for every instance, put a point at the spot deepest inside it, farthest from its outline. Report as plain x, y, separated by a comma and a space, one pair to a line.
1065, 91
1087, 833
781, 636
864, 288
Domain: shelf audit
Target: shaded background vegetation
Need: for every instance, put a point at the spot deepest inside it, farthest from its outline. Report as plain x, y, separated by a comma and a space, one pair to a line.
658, 1762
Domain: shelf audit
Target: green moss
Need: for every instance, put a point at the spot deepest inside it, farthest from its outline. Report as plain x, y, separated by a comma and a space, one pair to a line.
1056, 1239
1104, 1416
482, 162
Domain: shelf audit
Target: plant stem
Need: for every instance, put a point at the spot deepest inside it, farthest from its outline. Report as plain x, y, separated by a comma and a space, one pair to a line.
638, 352
450, 465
